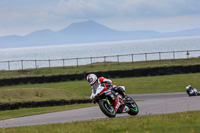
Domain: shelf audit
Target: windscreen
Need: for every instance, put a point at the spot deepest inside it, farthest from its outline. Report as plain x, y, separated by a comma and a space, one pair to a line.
95, 87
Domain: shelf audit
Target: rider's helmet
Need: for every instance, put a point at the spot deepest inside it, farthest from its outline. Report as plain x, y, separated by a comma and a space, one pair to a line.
92, 78
188, 87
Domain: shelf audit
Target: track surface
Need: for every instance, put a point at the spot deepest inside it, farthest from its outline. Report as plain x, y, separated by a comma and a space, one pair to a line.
150, 104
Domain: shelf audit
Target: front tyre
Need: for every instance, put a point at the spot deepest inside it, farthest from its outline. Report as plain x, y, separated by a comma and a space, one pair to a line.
106, 108
134, 109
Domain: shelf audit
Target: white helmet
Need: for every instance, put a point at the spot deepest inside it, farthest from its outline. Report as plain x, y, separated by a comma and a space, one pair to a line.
92, 78
188, 87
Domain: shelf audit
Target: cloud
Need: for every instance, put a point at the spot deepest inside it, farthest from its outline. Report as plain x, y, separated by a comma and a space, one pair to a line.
101, 8
126, 8
30, 15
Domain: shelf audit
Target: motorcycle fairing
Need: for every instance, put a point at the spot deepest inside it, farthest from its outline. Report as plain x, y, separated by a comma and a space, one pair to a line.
98, 89
119, 104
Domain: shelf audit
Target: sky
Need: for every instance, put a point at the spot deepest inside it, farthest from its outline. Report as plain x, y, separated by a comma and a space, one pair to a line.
21, 17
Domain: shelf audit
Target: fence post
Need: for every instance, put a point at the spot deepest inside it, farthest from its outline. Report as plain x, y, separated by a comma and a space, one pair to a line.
187, 54
159, 55
63, 62
9, 65
104, 58
118, 59
35, 64
22, 64
77, 62
132, 57
145, 56
173, 55
49, 63
91, 61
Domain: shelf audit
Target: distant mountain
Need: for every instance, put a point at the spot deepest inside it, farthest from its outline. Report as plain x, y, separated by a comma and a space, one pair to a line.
85, 32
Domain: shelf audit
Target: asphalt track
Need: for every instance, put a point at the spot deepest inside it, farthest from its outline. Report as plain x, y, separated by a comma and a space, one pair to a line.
149, 104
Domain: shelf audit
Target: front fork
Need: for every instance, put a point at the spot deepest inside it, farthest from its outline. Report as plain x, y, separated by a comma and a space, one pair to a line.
107, 101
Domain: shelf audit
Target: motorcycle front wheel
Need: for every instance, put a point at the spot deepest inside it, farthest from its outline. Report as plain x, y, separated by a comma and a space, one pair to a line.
134, 109
106, 108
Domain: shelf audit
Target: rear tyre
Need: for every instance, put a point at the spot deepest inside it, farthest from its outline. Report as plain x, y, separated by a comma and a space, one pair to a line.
106, 108
134, 109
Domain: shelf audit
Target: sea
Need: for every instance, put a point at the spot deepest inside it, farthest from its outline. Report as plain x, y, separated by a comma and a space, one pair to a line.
66, 55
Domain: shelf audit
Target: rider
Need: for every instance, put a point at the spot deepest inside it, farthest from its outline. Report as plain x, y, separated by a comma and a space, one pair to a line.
191, 90
93, 80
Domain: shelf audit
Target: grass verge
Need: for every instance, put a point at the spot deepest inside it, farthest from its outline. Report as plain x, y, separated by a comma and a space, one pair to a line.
96, 67
36, 94
185, 122
81, 89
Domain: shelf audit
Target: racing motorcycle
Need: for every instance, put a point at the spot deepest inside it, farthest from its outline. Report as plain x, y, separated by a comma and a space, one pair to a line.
111, 102
191, 91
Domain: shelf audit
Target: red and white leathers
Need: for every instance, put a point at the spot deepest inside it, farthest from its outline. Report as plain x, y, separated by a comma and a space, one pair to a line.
107, 83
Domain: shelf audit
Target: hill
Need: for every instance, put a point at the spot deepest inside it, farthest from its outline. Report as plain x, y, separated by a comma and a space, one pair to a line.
85, 32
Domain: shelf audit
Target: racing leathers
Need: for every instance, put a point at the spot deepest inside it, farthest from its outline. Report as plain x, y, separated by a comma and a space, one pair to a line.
107, 83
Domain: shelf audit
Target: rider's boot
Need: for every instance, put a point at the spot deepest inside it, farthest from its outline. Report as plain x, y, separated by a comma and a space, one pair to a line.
121, 92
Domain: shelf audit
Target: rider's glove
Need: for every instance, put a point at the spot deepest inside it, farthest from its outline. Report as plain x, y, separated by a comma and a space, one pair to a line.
108, 85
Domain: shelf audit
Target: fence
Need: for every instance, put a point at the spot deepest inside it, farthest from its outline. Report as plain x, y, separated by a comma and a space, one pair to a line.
35, 64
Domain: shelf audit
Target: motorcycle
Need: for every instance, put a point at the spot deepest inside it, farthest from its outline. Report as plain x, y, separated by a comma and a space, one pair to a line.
111, 102
192, 92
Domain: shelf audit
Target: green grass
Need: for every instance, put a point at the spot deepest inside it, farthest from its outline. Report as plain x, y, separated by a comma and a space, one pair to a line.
36, 94
96, 67
185, 122
34, 111
81, 89
179, 122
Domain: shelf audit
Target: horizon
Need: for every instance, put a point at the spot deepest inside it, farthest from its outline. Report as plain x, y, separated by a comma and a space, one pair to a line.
97, 23
22, 17
98, 43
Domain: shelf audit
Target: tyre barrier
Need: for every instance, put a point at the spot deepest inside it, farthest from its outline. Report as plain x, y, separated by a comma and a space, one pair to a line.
33, 104
140, 72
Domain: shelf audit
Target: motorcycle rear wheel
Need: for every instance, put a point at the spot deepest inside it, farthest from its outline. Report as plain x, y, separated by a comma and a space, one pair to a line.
106, 108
